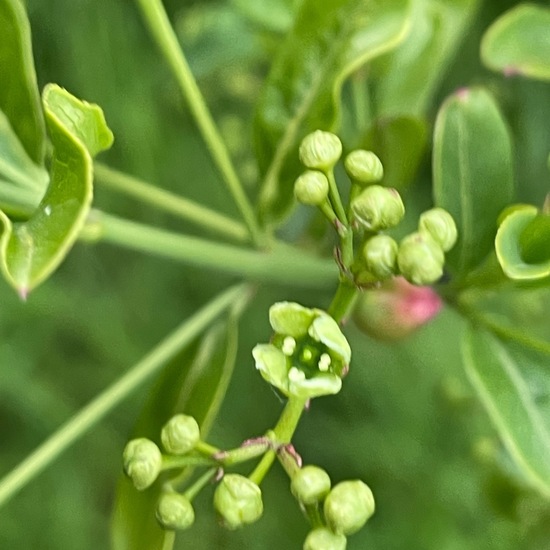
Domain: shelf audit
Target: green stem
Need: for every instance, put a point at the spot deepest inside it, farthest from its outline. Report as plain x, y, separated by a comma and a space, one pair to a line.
168, 540
92, 413
170, 202
159, 25
282, 265
360, 96
206, 449
173, 462
282, 435
335, 199
343, 300
244, 453
198, 486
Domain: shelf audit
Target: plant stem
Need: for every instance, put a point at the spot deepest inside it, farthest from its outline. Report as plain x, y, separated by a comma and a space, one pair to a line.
282, 434
206, 449
335, 199
170, 202
282, 265
343, 300
197, 487
92, 413
168, 540
159, 25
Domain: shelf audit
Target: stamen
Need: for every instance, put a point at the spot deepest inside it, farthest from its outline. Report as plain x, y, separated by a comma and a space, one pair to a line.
289, 345
324, 362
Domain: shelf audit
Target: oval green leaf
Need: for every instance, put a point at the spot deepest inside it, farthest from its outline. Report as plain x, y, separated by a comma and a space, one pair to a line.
32, 250
518, 43
19, 96
194, 383
472, 173
406, 79
330, 39
518, 241
514, 386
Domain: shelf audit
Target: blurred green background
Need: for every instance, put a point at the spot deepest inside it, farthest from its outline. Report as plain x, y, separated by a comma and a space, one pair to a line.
406, 421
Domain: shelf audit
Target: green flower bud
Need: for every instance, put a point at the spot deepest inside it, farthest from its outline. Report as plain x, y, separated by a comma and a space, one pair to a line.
142, 461
174, 511
420, 259
310, 484
441, 227
380, 255
311, 188
348, 507
324, 539
238, 501
363, 167
180, 434
378, 208
320, 150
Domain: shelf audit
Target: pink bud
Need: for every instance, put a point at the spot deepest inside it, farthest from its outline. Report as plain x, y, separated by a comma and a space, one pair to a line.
396, 309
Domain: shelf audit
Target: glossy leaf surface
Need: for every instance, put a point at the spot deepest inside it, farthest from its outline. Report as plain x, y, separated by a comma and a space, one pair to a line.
523, 244
513, 385
32, 250
472, 173
406, 79
330, 39
195, 384
517, 42
19, 96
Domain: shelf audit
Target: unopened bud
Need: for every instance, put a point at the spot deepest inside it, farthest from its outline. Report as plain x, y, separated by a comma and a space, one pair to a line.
180, 434
420, 259
380, 255
310, 484
238, 500
348, 507
320, 150
324, 539
363, 167
396, 309
378, 208
174, 511
311, 188
142, 461
441, 227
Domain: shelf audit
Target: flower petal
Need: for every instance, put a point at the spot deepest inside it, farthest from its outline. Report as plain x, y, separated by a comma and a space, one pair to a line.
322, 384
273, 365
326, 330
290, 318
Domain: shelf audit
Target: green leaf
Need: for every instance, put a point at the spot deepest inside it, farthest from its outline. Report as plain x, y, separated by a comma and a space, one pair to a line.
32, 250
522, 244
517, 42
194, 383
400, 143
406, 79
330, 39
514, 386
22, 182
472, 171
514, 313
19, 96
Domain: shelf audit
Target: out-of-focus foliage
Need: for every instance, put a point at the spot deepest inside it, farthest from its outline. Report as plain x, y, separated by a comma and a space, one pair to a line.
407, 420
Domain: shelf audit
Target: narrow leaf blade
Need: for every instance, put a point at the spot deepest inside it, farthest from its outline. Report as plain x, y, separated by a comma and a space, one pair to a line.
330, 39
19, 96
517, 42
472, 173
514, 386
32, 250
195, 384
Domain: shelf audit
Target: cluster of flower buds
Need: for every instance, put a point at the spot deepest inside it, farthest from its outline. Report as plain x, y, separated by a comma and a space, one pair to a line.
143, 462
308, 354
373, 210
342, 510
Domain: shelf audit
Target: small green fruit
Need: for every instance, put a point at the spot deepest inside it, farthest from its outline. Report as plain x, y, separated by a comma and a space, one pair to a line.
180, 434
441, 227
380, 255
238, 500
320, 150
324, 539
420, 259
310, 484
363, 167
142, 462
311, 188
174, 511
378, 208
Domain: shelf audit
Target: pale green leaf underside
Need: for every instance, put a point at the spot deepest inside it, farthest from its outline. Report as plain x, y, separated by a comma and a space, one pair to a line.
194, 383
519, 42
19, 97
330, 39
32, 250
508, 249
472, 173
513, 388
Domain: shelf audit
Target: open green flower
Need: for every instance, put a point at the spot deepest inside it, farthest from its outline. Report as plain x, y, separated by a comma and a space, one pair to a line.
308, 354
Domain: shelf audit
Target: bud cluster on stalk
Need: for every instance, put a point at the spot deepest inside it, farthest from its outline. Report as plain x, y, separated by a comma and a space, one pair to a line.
370, 255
